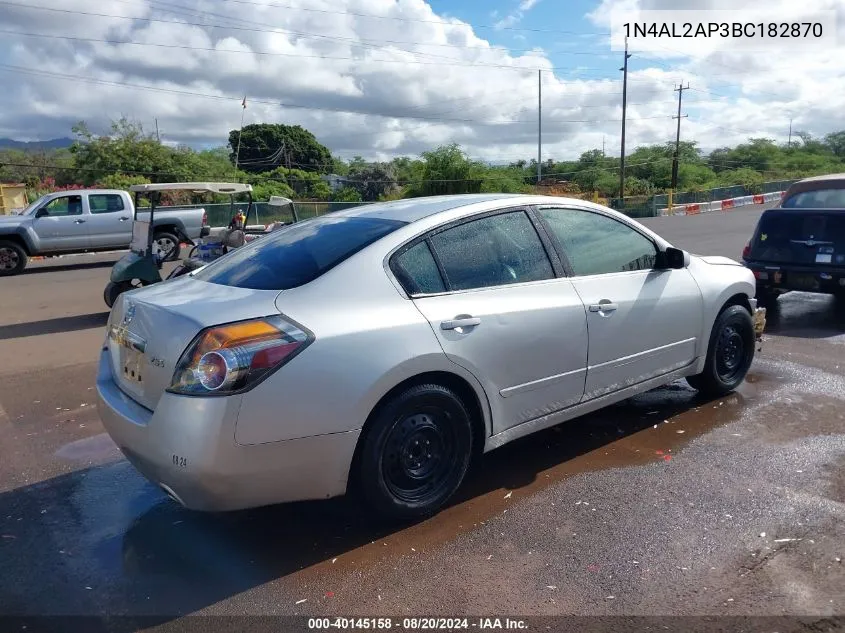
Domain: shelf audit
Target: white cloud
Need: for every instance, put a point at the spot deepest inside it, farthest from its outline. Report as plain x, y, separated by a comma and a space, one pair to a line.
349, 70
527, 5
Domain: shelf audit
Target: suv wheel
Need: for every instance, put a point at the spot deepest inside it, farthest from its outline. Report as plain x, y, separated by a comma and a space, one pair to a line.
766, 298
729, 353
416, 452
13, 258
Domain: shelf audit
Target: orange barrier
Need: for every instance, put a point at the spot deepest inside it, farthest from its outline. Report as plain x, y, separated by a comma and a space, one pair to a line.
727, 204
759, 199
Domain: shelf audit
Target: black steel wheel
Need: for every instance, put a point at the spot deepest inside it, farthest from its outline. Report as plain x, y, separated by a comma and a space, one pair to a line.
729, 353
415, 452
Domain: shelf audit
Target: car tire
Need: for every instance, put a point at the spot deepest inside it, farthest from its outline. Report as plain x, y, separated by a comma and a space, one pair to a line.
729, 353
415, 452
766, 298
169, 241
13, 258
113, 290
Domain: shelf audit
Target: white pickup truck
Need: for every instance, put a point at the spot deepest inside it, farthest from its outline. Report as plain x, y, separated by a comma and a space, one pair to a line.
88, 220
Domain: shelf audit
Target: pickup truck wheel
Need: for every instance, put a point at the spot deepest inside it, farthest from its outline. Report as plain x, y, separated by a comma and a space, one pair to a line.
729, 353
13, 259
169, 244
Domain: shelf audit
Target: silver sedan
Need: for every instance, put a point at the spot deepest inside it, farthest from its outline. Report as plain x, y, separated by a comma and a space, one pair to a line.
381, 348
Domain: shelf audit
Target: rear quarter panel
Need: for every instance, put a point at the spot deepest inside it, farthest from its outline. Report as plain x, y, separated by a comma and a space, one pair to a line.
368, 339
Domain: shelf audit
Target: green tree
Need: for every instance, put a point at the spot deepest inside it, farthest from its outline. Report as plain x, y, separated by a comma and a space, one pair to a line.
121, 181
372, 180
267, 146
347, 194
836, 142
447, 170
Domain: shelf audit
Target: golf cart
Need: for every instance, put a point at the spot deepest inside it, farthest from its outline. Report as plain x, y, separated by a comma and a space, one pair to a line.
238, 233
141, 266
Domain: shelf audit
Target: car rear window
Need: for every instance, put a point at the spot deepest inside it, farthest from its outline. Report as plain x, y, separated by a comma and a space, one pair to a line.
817, 199
800, 237
298, 254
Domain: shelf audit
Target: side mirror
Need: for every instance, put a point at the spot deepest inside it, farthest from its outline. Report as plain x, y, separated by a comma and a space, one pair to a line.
675, 258
42, 212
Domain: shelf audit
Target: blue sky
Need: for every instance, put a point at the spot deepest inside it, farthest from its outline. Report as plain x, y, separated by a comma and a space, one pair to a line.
364, 76
573, 43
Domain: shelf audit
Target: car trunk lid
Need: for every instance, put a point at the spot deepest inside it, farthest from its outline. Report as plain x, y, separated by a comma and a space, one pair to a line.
150, 328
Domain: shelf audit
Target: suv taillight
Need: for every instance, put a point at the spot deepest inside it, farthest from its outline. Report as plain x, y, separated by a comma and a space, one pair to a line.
205, 218
746, 251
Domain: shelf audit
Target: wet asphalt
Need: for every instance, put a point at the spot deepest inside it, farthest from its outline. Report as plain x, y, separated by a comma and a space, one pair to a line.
666, 504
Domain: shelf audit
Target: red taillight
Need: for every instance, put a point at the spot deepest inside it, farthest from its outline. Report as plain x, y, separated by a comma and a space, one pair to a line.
205, 218
746, 251
234, 357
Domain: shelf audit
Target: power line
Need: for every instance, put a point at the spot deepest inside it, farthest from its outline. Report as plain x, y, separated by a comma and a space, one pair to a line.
34, 71
212, 49
442, 22
350, 41
258, 177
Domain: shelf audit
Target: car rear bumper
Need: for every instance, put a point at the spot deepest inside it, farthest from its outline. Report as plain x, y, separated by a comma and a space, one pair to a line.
187, 447
784, 278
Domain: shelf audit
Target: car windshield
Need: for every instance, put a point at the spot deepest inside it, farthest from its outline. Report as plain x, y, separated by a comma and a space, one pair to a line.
298, 254
817, 199
31, 207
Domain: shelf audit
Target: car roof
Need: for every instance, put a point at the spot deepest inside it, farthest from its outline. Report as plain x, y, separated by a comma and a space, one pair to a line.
835, 181
411, 210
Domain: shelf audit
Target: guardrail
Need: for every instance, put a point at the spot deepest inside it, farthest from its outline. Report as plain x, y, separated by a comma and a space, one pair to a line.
720, 205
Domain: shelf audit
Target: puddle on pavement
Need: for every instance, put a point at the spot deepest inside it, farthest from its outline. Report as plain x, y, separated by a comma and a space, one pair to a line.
619, 436
90, 449
186, 560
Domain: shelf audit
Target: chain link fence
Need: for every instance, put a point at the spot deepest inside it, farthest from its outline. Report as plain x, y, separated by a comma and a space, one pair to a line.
649, 206
634, 206
263, 213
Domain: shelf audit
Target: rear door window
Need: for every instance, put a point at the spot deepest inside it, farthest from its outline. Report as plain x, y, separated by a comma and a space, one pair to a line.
496, 250
298, 254
799, 237
417, 271
105, 202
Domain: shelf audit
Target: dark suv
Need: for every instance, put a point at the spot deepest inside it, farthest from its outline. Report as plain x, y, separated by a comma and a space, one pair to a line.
800, 245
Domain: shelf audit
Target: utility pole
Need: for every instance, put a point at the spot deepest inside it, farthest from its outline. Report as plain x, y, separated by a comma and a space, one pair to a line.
240, 131
602, 145
539, 125
158, 138
677, 158
789, 143
624, 70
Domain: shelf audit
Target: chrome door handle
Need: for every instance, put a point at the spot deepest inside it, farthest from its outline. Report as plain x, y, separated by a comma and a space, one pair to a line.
79, 221
454, 324
603, 306
123, 219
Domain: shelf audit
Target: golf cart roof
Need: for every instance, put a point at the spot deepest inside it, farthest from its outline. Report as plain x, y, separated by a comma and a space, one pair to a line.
197, 187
